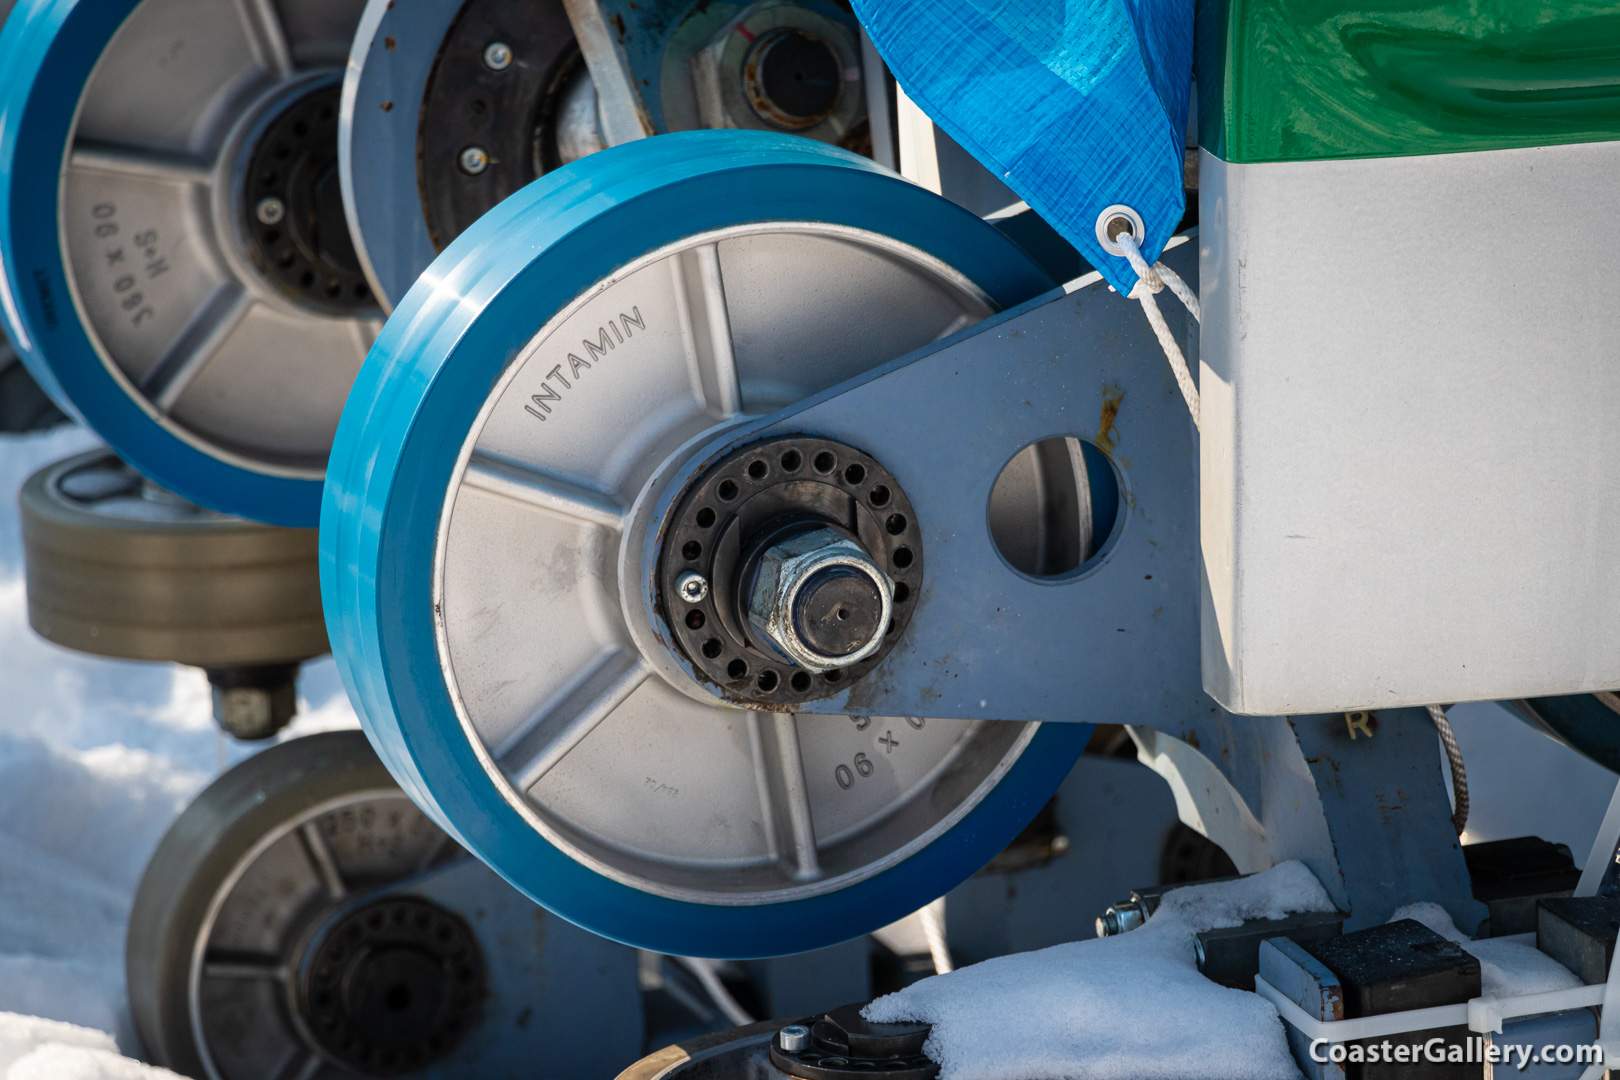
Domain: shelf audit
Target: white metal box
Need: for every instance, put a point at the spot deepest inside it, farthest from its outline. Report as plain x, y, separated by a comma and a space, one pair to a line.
1410, 371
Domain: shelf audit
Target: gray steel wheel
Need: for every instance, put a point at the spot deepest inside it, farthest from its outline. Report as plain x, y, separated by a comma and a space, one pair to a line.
234, 890
119, 568
204, 159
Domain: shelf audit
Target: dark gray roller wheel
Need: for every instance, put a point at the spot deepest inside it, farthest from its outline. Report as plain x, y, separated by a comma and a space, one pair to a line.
119, 568
238, 894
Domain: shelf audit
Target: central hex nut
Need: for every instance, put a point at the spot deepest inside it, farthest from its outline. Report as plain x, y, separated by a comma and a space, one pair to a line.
821, 600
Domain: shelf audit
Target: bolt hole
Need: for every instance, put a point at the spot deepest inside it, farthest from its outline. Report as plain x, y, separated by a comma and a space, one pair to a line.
712, 647
843, 613
705, 518
878, 496
901, 557
695, 619
791, 461
691, 550
855, 473
757, 469
833, 675
896, 524
300, 129
767, 681
272, 236
738, 668
824, 462
308, 278
727, 490
800, 681
398, 998
902, 592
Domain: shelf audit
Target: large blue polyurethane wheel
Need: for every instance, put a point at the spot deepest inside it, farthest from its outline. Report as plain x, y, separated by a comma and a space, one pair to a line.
177, 267
493, 496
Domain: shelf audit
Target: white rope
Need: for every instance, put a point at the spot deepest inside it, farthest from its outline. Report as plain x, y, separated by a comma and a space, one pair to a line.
1459, 776
1151, 280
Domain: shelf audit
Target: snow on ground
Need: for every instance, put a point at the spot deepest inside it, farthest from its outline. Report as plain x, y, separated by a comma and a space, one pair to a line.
1098, 1009
96, 758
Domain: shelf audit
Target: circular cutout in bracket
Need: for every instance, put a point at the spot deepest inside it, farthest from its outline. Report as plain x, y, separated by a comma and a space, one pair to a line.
1054, 507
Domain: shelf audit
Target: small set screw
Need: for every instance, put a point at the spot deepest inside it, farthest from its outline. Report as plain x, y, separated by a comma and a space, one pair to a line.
692, 587
270, 210
474, 160
497, 56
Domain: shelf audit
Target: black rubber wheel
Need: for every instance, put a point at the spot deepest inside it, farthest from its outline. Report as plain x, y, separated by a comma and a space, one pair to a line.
191, 873
117, 568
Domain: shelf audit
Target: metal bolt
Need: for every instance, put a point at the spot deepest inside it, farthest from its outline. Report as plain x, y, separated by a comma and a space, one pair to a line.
270, 210
497, 56
473, 160
692, 587
793, 1038
822, 600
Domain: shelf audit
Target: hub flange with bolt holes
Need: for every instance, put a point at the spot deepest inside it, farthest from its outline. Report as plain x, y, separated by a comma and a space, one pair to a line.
741, 526
391, 985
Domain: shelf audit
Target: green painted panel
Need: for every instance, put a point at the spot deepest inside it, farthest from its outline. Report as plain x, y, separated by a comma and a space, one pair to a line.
1288, 80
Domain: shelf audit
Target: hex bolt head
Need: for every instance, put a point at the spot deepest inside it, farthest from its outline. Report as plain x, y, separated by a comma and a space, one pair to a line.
692, 587
473, 160
793, 1038
497, 56
821, 600
253, 712
270, 210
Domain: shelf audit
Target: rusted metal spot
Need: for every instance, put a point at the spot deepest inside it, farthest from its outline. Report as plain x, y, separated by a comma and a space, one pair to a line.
1112, 396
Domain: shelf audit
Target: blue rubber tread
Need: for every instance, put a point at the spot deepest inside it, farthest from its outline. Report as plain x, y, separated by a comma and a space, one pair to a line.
409, 414
47, 52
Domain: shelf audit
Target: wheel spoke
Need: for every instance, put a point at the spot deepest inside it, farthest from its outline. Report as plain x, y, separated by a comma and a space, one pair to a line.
245, 966
706, 324
551, 493
266, 35
320, 857
535, 748
140, 162
784, 795
197, 344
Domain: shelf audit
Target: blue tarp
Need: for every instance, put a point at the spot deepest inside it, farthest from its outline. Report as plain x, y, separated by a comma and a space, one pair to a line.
1077, 105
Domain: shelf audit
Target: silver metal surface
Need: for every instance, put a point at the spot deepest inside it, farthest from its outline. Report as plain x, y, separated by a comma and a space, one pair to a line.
783, 572
793, 1038
584, 719
579, 120
624, 116
242, 962
152, 229
1408, 492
